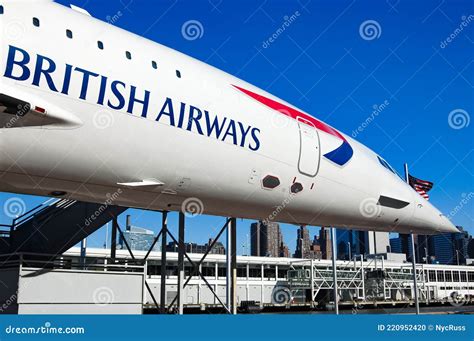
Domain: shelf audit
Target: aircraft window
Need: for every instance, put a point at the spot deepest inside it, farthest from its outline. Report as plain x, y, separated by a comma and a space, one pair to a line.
128, 55
386, 165
153, 63
178, 73
36, 22
69, 34
1, 9
100, 45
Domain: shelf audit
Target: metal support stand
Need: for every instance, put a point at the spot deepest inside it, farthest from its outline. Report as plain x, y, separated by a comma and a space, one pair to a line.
228, 273
181, 252
334, 270
233, 265
196, 267
413, 252
164, 230
83, 252
415, 284
113, 241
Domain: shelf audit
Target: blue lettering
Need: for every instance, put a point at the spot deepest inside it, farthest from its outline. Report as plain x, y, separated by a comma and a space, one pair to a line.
167, 110
214, 125
194, 119
255, 138
21, 63
118, 95
182, 108
103, 84
67, 80
46, 72
231, 132
85, 81
133, 99
244, 133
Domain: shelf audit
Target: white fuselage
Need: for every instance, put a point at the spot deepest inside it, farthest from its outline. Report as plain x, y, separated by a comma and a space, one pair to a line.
111, 122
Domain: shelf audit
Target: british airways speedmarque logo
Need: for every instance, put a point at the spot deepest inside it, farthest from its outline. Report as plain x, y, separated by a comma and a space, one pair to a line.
340, 155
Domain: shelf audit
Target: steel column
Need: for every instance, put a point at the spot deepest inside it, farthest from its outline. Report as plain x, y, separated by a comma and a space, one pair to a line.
415, 284
228, 273
334, 269
181, 251
113, 241
413, 252
164, 233
83, 252
233, 243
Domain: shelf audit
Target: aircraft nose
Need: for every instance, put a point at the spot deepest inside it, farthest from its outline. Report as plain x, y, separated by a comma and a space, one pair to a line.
430, 218
447, 225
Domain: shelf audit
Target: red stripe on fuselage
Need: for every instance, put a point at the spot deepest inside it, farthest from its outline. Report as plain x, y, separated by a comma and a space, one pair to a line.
293, 113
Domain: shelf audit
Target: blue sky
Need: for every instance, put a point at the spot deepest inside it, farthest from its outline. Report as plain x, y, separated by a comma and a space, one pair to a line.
337, 60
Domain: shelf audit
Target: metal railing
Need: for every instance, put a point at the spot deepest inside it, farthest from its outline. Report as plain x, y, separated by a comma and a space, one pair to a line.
61, 262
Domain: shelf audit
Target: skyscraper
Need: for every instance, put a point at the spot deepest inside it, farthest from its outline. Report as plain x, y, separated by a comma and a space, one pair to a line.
450, 248
266, 240
303, 243
137, 238
325, 242
351, 243
445, 248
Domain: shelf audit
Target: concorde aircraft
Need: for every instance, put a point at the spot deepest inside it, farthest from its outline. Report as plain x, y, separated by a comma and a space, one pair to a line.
92, 112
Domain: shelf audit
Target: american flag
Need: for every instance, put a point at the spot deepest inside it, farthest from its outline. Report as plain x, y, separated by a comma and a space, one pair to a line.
421, 186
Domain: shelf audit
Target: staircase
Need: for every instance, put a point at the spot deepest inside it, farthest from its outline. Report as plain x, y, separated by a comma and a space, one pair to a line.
56, 225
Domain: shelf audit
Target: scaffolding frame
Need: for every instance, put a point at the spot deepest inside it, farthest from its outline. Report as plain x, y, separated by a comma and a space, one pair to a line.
230, 306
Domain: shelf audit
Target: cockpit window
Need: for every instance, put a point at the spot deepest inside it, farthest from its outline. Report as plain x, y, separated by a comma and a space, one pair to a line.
386, 165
